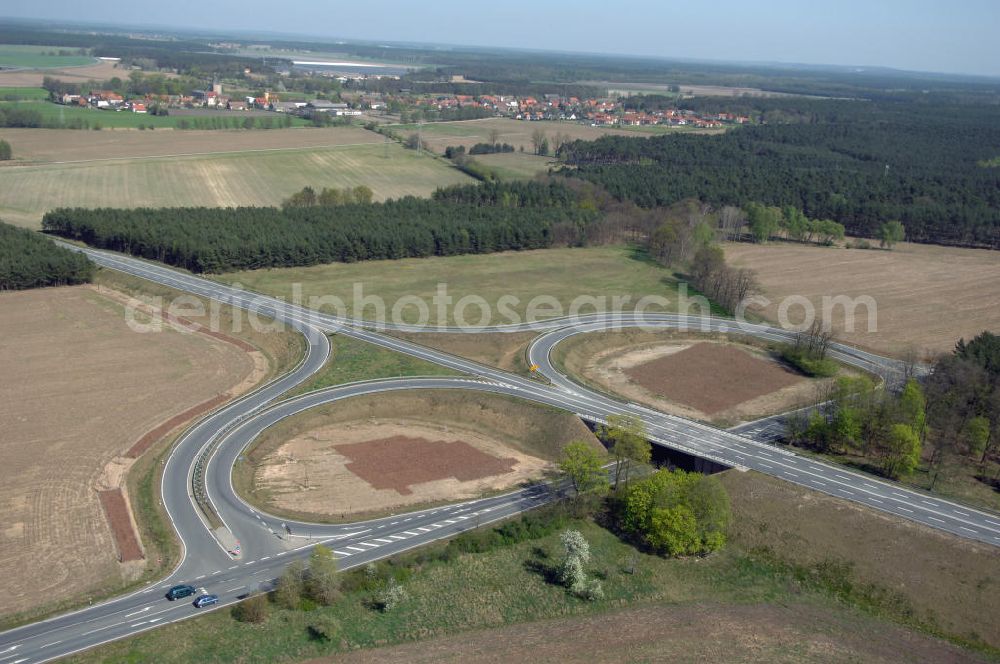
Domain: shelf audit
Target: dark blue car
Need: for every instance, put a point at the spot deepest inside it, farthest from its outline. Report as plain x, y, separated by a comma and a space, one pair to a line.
206, 600
177, 592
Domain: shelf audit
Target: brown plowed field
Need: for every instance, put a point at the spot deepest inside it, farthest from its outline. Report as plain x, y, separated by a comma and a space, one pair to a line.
79, 388
711, 377
399, 462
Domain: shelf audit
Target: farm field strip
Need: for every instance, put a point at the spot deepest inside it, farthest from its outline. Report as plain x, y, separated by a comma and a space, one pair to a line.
231, 179
70, 145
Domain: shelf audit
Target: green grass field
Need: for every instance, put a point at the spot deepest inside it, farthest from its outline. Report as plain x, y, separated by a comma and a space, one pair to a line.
40, 56
57, 115
561, 274
352, 360
230, 179
516, 165
19, 94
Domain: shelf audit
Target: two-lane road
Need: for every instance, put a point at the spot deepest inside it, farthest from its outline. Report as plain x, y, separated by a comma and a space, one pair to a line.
212, 446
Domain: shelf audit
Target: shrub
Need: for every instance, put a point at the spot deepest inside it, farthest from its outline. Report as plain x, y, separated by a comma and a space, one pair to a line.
288, 591
324, 628
252, 610
675, 513
390, 596
811, 366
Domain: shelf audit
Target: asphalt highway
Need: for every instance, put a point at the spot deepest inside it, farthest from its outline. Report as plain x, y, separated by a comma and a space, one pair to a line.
268, 543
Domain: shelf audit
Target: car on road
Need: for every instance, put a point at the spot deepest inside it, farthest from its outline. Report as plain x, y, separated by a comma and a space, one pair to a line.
206, 600
177, 592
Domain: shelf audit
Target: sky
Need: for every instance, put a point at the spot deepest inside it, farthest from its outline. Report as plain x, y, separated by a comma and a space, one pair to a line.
958, 36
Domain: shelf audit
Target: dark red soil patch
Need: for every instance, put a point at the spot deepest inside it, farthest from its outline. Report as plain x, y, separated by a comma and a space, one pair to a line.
164, 428
711, 377
113, 502
399, 462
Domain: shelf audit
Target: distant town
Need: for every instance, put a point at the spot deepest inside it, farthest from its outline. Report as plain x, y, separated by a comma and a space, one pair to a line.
607, 111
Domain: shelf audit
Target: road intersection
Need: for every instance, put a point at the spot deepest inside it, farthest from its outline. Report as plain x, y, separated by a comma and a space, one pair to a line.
268, 543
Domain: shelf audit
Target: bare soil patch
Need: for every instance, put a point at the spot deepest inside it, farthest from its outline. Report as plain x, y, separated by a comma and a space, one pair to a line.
705, 633
373, 467
116, 509
944, 580
927, 296
399, 462
297, 468
69, 145
711, 377
79, 389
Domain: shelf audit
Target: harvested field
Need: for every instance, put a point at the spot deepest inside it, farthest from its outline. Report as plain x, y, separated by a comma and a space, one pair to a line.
33, 77
117, 512
226, 179
793, 633
399, 462
937, 578
466, 444
69, 145
68, 418
927, 296
710, 377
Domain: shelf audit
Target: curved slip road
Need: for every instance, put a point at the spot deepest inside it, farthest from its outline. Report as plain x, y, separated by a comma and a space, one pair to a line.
268, 543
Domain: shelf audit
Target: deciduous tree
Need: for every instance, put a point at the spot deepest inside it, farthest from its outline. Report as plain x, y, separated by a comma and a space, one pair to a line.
583, 465
628, 444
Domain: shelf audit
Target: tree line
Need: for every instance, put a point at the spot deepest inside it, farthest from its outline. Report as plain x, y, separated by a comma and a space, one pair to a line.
953, 413
31, 260
226, 239
860, 166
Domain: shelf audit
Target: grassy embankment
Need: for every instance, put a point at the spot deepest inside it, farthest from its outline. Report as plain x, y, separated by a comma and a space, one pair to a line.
352, 360
804, 551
